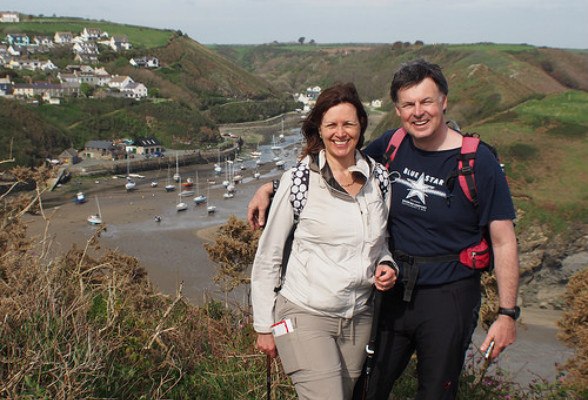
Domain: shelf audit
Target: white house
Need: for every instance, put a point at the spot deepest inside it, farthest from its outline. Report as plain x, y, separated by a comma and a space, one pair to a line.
145, 62
86, 48
118, 43
43, 41
63, 37
7, 16
313, 92
135, 90
119, 82
91, 34
377, 103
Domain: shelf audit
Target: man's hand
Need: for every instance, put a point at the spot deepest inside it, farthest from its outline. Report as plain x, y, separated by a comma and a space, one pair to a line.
503, 332
257, 208
266, 344
385, 277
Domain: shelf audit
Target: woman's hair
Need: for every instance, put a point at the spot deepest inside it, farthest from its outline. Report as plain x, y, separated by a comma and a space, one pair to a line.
413, 73
330, 97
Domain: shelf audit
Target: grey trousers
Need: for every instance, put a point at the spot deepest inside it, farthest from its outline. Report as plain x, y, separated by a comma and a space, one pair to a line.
322, 355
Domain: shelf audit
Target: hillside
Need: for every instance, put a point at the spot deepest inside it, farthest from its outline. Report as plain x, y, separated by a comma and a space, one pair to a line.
531, 103
188, 93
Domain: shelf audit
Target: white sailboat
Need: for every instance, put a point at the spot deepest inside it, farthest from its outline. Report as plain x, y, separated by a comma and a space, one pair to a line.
199, 199
95, 219
169, 186
177, 174
130, 184
181, 206
281, 137
210, 209
274, 145
217, 167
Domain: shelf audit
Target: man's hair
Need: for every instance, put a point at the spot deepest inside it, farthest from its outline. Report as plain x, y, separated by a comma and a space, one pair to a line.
330, 97
415, 72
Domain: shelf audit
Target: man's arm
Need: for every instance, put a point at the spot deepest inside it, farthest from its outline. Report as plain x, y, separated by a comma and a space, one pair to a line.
258, 205
504, 244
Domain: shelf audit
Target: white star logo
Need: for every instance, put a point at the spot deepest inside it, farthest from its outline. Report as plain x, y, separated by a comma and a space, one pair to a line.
418, 188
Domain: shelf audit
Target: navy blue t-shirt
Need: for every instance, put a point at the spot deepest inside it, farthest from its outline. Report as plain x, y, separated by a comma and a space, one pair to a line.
429, 218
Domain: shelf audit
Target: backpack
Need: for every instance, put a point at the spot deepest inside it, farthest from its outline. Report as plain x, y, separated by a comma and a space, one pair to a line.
478, 256
298, 197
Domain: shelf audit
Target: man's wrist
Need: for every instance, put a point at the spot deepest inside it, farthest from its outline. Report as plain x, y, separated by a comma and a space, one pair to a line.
392, 265
513, 313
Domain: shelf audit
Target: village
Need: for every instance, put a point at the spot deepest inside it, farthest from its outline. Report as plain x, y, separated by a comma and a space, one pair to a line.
20, 51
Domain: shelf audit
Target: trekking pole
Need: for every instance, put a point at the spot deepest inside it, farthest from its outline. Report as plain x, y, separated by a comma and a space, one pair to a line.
370, 348
268, 376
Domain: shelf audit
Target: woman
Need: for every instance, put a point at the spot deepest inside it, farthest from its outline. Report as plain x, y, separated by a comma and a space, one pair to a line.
322, 315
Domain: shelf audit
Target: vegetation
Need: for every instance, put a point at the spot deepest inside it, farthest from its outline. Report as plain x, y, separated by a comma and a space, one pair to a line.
88, 324
140, 36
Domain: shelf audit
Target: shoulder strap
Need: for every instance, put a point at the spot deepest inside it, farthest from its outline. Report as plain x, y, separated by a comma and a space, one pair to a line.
465, 168
299, 188
382, 176
397, 137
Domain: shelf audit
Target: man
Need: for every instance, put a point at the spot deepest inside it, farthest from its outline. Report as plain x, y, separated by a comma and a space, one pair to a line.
433, 309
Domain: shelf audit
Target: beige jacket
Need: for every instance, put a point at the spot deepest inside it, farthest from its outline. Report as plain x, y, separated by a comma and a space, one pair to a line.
338, 243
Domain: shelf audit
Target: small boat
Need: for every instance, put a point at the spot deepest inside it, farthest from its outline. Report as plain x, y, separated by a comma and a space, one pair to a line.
154, 184
186, 193
228, 195
256, 154
281, 164
95, 219
189, 183
256, 175
169, 187
274, 145
80, 198
181, 206
157, 218
210, 209
199, 199
130, 185
177, 174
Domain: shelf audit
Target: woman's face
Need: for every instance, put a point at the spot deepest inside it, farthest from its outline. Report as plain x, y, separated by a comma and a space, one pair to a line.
340, 131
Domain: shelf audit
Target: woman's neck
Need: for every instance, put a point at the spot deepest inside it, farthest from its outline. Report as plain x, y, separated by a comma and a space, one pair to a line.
340, 164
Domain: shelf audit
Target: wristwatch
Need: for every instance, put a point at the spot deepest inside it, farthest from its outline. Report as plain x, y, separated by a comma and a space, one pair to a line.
514, 313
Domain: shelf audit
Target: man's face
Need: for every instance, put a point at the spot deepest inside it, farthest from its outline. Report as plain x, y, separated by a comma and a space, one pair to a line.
420, 108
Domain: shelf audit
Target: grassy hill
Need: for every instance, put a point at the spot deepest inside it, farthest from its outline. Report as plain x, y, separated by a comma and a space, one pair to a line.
531, 103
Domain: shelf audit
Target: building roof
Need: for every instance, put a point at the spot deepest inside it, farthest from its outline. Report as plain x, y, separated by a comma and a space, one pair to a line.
149, 141
99, 144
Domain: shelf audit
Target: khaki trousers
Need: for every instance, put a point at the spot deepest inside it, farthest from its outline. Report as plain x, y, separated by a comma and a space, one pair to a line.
322, 355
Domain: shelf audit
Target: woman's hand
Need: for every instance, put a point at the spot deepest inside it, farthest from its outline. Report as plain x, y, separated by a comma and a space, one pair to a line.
266, 344
385, 277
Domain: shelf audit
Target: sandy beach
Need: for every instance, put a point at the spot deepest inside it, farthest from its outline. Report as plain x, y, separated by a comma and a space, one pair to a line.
172, 250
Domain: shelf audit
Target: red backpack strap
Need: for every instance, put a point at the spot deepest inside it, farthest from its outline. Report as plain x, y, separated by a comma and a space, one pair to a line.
397, 137
465, 168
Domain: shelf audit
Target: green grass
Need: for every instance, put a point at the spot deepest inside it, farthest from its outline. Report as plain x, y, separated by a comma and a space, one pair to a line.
139, 36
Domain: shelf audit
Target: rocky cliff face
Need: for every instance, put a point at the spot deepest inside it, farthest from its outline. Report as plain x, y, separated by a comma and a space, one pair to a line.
547, 263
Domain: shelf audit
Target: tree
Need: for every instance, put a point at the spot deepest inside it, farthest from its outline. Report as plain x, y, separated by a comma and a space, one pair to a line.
301, 39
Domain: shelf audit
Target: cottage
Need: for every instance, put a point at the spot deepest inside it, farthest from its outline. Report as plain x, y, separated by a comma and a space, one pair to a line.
148, 145
377, 103
91, 34
134, 90
100, 149
119, 82
6, 16
5, 86
86, 48
42, 41
63, 37
69, 156
118, 43
18, 39
145, 62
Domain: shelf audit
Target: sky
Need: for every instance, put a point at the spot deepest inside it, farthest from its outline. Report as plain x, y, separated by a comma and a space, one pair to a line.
551, 23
